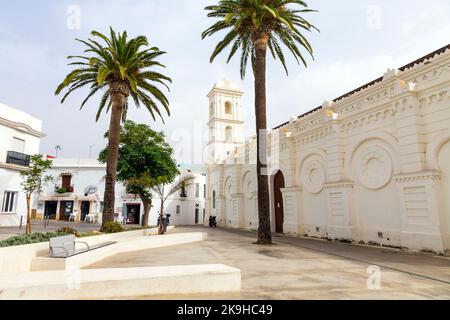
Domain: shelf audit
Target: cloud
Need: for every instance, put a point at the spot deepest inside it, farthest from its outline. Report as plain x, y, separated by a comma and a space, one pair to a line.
348, 54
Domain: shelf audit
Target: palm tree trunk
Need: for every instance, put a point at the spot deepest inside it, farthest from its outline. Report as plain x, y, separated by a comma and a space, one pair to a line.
28, 229
264, 230
119, 92
161, 215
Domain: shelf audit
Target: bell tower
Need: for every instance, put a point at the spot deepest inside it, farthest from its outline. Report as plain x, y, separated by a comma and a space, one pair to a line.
226, 127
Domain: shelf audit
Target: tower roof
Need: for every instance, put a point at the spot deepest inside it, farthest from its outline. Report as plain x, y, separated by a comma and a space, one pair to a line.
226, 85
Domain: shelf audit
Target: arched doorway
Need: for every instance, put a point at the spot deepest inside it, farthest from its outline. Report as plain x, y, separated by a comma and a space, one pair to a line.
278, 198
444, 160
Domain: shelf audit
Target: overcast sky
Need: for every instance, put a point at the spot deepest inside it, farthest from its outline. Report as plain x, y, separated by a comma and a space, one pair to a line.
359, 40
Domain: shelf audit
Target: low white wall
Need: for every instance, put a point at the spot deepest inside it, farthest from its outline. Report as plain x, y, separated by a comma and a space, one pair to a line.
120, 283
124, 245
18, 258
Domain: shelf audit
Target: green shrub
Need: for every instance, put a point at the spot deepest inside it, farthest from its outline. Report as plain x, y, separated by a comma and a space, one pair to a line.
90, 234
30, 239
61, 190
68, 230
112, 227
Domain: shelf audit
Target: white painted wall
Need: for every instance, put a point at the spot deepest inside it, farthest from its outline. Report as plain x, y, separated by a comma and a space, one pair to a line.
378, 170
88, 172
15, 124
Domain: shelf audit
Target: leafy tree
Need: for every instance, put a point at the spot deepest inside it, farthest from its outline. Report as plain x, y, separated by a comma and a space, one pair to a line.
165, 187
144, 157
253, 26
33, 180
119, 67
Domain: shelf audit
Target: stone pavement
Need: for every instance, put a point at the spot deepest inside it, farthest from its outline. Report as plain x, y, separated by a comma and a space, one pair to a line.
297, 268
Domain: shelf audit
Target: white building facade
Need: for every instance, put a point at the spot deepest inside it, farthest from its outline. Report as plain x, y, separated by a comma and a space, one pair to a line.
372, 166
78, 189
20, 136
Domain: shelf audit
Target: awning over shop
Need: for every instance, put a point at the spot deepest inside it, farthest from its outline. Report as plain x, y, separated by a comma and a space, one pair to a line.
67, 198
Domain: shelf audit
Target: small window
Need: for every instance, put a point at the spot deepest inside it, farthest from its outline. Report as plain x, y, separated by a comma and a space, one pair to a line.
18, 145
178, 210
214, 200
9, 202
228, 134
197, 190
204, 191
228, 108
211, 110
183, 192
66, 181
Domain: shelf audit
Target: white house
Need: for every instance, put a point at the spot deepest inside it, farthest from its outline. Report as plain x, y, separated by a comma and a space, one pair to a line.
20, 136
371, 166
78, 190
186, 207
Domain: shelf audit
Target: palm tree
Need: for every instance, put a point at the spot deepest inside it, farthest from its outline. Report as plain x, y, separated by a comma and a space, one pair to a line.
121, 68
253, 26
160, 189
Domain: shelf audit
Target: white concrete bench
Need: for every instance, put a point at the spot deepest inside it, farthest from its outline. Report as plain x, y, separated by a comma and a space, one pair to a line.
65, 247
120, 283
132, 244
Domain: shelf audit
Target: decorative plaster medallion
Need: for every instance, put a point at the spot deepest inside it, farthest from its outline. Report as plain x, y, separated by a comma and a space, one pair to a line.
314, 176
373, 167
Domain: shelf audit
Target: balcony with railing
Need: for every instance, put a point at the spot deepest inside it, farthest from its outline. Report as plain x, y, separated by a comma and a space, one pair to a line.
18, 159
64, 189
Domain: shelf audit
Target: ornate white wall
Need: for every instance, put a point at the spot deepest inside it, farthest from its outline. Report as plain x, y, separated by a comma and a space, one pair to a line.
372, 166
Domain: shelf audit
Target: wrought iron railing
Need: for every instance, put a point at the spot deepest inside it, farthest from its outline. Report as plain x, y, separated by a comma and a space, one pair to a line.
62, 190
18, 158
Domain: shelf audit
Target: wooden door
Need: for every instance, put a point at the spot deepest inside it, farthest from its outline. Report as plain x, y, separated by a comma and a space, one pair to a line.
278, 198
85, 208
65, 210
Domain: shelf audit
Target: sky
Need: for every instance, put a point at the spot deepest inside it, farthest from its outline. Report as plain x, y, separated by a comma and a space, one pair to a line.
358, 41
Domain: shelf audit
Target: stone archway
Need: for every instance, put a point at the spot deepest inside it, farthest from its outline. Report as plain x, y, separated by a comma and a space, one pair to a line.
279, 183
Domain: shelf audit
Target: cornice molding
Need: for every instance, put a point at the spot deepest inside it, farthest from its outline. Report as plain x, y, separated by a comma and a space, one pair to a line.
427, 175
12, 167
340, 184
21, 127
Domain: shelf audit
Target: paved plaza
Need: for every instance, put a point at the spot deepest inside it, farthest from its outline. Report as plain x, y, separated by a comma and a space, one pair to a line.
297, 268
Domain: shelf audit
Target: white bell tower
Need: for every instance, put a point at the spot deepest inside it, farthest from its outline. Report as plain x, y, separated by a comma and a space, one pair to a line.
226, 127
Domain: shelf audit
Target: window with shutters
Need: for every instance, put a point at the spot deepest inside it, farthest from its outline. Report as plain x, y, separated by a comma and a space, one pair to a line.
9, 202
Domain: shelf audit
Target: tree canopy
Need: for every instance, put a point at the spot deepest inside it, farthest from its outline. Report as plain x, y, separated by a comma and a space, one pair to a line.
144, 155
34, 178
118, 60
245, 20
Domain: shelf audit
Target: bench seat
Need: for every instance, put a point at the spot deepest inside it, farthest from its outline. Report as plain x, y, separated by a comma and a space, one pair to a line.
62, 255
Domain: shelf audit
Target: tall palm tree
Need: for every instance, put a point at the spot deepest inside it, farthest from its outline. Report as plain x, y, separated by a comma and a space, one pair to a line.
253, 26
120, 67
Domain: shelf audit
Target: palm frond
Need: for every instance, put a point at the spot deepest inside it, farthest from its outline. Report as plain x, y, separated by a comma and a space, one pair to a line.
243, 20
117, 58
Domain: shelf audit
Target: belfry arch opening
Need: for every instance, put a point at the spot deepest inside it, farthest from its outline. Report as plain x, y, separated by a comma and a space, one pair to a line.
228, 134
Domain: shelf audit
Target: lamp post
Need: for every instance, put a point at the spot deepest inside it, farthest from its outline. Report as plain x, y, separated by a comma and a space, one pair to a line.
57, 148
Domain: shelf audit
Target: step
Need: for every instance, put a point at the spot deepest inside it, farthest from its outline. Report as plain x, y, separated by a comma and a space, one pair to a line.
118, 283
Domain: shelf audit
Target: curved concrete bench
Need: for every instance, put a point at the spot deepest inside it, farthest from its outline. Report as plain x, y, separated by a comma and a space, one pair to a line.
18, 258
119, 283
131, 244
